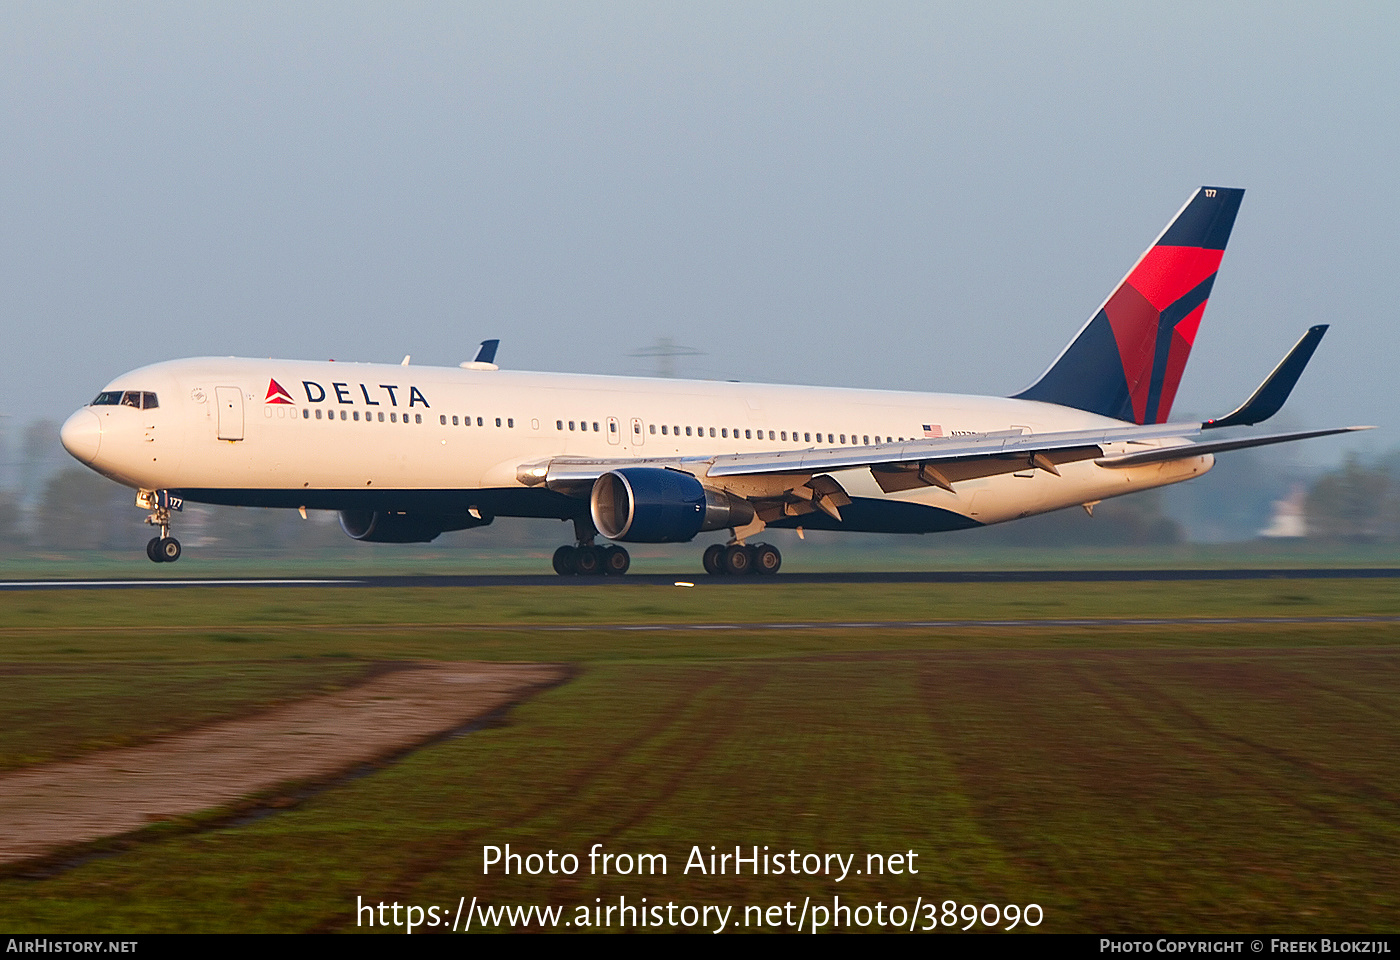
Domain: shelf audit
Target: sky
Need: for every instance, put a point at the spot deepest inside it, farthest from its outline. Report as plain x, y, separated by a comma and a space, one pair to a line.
919, 196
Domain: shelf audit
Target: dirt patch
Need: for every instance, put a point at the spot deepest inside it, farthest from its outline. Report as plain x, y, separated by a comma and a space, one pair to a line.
56, 805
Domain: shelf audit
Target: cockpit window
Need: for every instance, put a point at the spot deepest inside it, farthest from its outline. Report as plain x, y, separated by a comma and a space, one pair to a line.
140, 399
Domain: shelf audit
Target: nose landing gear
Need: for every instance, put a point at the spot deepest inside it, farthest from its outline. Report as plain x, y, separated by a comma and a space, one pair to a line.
164, 548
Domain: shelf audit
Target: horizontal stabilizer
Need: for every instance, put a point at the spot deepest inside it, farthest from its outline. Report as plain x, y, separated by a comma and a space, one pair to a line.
1269, 398
1162, 454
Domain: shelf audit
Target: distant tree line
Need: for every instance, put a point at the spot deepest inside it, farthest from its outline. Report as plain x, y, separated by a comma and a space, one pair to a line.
1358, 502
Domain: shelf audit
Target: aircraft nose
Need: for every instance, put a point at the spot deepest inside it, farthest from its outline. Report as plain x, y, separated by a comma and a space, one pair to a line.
82, 435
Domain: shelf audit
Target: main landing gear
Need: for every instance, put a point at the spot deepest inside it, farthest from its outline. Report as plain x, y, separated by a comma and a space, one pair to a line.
738, 559
589, 560
164, 548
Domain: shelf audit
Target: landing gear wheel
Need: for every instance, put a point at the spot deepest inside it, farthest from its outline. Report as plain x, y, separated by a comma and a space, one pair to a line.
766, 559
737, 560
588, 561
616, 560
169, 549
564, 561
713, 559
153, 550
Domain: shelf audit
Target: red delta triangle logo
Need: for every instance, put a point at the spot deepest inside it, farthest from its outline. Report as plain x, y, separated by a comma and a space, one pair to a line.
275, 393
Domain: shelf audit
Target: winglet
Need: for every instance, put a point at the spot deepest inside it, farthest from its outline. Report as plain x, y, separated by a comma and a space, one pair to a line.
485, 357
1266, 401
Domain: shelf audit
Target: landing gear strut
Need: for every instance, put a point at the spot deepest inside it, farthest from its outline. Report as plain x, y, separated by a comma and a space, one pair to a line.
587, 559
738, 559
164, 548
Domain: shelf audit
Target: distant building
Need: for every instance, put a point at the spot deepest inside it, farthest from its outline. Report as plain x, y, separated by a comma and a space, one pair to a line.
1289, 519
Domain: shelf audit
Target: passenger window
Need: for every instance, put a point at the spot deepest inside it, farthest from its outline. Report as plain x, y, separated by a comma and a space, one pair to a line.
455, 420
480, 422
344, 415
595, 426
571, 424
865, 440
687, 431
712, 431
724, 431
651, 428
318, 413
393, 418
559, 424
306, 414
417, 417
498, 421
510, 423
748, 434
663, 430
612, 426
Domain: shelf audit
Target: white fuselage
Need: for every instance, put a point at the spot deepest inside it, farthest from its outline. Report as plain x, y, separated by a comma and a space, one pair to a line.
340, 435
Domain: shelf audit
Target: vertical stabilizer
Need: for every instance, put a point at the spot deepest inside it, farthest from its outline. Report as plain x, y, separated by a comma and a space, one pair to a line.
1127, 361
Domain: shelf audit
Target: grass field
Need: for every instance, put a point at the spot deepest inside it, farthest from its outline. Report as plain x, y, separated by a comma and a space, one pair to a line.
1176, 778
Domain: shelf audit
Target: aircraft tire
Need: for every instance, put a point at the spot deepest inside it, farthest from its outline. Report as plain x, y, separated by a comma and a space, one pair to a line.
169, 549
738, 561
564, 561
713, 559
616, 560
153, 550
588, 561
766, 559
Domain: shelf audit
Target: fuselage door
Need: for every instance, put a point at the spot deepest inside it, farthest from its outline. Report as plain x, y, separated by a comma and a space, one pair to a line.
230, 404
614, 430
637, 432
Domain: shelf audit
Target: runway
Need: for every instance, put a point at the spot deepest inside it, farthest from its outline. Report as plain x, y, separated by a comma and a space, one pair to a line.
462, 581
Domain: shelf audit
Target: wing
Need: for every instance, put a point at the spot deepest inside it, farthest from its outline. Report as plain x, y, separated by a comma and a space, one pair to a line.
793, 482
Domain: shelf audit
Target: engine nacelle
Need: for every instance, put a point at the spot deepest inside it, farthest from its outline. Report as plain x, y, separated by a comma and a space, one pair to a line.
651, 505
390, 526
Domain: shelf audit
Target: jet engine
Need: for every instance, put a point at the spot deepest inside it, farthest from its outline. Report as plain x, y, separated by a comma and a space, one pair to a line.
391, 526
652, 505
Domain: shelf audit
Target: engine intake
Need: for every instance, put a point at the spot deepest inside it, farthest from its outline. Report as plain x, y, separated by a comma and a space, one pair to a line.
652, 505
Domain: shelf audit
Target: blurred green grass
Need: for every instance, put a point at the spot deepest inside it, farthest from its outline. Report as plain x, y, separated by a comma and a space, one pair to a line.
1210, 778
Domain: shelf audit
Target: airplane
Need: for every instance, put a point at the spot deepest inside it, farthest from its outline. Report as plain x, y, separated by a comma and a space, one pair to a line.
405, 453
